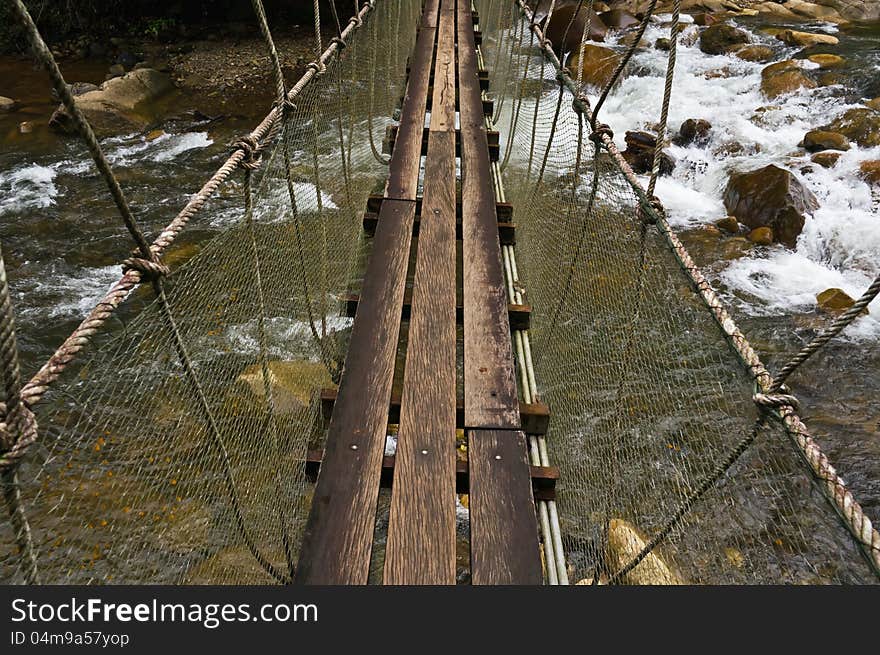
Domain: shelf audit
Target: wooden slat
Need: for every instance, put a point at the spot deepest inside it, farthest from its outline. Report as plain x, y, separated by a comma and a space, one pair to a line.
490, 394
520, 316
421, 528
504, 529
504, 210
338, 536
403, 175
506, 231
430, 13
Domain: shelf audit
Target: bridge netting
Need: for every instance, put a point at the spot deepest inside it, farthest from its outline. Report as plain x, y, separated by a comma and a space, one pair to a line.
174, 451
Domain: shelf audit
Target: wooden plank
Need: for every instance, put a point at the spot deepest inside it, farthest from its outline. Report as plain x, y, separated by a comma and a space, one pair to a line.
421, 528
490, 393
338, 536
504, 528
493, 136
504, 210
403, 175
544, 478
430, 13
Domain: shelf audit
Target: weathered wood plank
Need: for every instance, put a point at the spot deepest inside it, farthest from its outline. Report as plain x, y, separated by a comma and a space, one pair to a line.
403, 174
506, 231
520, 316
430, 13
490, 393
504, 528
338, 537
503, 209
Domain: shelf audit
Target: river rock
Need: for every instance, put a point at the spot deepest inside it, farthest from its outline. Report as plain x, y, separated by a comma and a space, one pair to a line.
122, 104
25, 127
861, 125
704, 19
812, 10
624, 544
618, 19
755, 53
735, 247
570, 41
818, 140
761, 236
728, 224
870, 171
639, 154
718, 39
770, 197
861, 10
7, 105
775, 9
825, 159
826, 61
663, 44
834, 301
805, 39
784, 77
694, 130
116, 70
292, 383
598, 66
873, 104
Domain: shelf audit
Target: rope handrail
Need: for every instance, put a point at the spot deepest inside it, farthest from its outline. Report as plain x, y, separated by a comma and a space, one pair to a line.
833, 486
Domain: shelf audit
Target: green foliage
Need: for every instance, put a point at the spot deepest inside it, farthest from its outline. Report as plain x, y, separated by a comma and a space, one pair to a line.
153, 27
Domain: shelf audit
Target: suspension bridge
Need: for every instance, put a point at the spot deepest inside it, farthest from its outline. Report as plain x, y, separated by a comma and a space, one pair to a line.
238, 428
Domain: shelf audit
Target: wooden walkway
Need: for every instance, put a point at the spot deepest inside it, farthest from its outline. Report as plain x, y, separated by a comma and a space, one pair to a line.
420, 549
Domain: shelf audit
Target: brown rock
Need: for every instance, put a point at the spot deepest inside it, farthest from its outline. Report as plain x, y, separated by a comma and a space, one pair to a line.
618, 19
639, 154
704, 19
827, 61
873, 104
7, 105
728, 224
25, 127
756, 53
761, 236
568, 39
835, 301
663, 44
598, 66
770, 197
819, 140
826, 159
861, 125
721, 37
735, 247
694, 130
870, 171
784, 77
804, 39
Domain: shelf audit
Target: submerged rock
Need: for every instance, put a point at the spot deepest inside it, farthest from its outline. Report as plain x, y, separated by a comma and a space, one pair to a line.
292, 382
818, 140
720, 38
7, 105
784, 77
598, 65
755, 53
770, 197
624, 544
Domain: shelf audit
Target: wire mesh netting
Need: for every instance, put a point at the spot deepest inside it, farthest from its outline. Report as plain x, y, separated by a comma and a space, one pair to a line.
136, 478
646, 396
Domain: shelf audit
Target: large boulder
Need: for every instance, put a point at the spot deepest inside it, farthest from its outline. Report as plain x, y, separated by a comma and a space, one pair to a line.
122, 104
719, 38
785, 77
694, 130
566, 35
861, 125
854, 9
770, 197
870, 171
597, 67
639, 154
755, 53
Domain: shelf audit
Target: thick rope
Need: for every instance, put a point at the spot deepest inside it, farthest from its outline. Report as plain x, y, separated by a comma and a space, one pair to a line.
17, 432
660, 141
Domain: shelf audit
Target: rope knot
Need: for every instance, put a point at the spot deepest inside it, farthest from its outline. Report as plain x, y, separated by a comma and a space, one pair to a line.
339, 41
317, 66
18, 430
599, 131
769, 401
150, 269
252, 159
356, 20
562, 75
